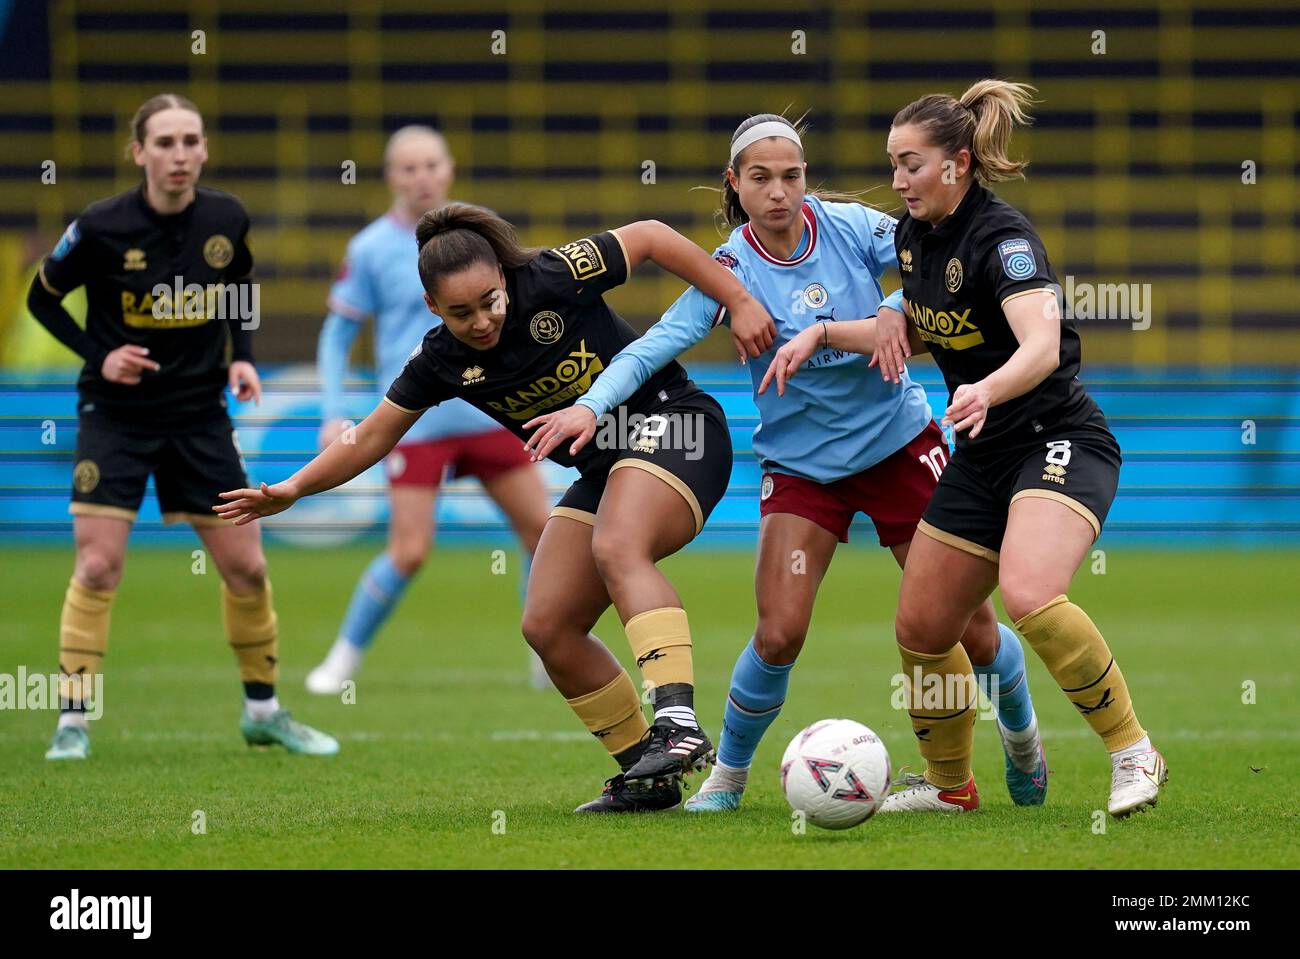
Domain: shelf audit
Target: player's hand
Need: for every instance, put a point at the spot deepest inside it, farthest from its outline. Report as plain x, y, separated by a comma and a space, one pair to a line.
331, 430
245, 505
892, 348
577, 421
245, 383
969, 408
125, 364
790, 357
752, 329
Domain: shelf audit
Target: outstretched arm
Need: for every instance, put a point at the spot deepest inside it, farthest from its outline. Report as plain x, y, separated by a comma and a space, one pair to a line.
354, 452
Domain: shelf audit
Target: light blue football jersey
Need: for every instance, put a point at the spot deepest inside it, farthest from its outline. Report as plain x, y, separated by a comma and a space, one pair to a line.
838, 417
381, 278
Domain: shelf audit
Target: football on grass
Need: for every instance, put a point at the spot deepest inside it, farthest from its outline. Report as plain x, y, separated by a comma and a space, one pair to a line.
836, 772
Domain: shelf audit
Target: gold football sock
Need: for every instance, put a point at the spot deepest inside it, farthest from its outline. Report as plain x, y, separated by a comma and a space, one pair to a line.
83, 637
250, 624
612, 713
1081, 663
943, 709
661, 642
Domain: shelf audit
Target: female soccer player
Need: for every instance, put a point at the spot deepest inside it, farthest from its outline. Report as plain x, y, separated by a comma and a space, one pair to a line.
842, 440
525, 331
380, 279
150, 402
1036, 467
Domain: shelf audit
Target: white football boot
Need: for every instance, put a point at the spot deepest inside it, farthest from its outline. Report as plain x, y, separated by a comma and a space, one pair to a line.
918, 795
1135, 780
340, 665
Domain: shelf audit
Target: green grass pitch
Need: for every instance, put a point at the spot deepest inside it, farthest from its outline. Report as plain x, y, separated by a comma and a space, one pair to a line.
447, 741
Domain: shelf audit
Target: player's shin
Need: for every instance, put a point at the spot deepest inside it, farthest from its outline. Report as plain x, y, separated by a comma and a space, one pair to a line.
661, 642
613, 715
757, 693
941, 698
83, 638
1080, 661
251, 628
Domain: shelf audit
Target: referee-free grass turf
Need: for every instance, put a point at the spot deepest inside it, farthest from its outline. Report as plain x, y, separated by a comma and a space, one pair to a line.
449, 759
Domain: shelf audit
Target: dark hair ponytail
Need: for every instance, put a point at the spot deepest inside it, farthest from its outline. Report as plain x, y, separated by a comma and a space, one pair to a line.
980, 121
458, 235
730, 213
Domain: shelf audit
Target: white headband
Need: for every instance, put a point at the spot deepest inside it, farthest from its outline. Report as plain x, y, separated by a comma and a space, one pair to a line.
761, 131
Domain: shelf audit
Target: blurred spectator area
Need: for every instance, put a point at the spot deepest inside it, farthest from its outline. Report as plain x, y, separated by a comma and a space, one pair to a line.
1136, 157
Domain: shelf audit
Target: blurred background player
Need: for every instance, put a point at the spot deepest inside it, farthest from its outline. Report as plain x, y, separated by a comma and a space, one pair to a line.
1036, 466
381, 278
840, 441
150, 401
526, 330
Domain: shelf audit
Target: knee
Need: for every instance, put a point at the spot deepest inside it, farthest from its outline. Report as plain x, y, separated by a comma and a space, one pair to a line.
1021, 597
917, 632
98, 569
611, 554
247, 574
541, 632
408, 557
778, 643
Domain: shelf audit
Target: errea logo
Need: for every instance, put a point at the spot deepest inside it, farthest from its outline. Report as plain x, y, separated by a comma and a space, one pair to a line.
472, 375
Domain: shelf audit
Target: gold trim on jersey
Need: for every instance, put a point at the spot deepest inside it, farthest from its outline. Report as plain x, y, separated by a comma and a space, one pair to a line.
579, 515
46, 283
627, 262
956, 542
403, 408
1066, 501
1037, 289
672, 480
583, 258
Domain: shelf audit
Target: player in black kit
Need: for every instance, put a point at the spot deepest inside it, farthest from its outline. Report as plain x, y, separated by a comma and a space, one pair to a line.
1036, 467
526, 331
170, 310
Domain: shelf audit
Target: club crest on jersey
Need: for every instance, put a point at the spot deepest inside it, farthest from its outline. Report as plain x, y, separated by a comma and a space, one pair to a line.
815, 296
582, 257
85, 477
134, 259
71, 236
952, 275
218, 251
472, 375
1017, 258
905, 260
765, 490
546, 327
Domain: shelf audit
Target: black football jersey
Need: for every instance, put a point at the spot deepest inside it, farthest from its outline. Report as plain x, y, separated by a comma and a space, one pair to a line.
558, 335
956, 278
171, 284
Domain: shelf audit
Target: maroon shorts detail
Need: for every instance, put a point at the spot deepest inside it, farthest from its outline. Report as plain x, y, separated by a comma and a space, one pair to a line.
894, 492
484, 456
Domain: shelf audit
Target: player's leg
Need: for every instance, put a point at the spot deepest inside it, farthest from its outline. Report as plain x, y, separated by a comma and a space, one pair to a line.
998, 662
943, 587
794, 553
657, 498
411, 530
414, 472
566, 598
1046, 539
252, 629
83, 627
114, 460
516, 486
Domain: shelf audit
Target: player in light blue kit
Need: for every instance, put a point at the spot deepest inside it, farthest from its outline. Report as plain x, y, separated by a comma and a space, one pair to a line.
380, 279
840, 440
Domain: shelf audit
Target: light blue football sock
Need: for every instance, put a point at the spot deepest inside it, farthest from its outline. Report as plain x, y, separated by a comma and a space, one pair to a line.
1006, 675
377, 592
757, 693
